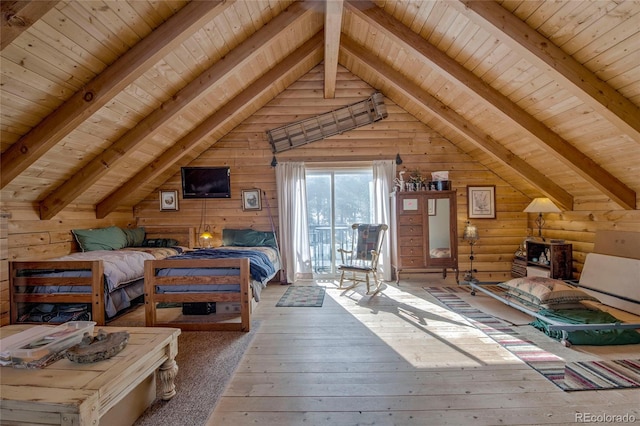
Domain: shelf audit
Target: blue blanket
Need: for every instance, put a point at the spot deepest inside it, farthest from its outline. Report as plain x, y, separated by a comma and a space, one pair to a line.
260, 266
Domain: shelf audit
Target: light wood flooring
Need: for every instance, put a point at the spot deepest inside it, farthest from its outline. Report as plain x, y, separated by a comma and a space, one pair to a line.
398, 358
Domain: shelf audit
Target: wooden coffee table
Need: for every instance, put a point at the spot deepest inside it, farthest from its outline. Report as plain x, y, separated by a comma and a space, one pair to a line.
113, 391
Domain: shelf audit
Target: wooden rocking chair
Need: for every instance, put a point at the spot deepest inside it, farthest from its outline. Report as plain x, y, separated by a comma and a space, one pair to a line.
362, 260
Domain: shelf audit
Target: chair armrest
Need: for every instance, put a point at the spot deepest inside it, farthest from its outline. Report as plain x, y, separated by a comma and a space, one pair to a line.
344, 252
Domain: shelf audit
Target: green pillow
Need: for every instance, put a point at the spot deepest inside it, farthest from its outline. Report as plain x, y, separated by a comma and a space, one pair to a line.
135, 236
111, 238
247, 238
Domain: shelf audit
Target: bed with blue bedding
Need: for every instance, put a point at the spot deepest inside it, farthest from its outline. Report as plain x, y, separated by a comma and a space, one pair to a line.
232, 274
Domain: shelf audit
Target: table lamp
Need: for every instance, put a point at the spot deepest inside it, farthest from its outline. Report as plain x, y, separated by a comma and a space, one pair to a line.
541, 205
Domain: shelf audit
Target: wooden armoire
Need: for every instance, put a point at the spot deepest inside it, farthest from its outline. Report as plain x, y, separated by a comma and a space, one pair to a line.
426, 234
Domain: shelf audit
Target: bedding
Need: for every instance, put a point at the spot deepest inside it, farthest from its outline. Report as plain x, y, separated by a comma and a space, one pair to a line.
586, 337
546, 293
261, 265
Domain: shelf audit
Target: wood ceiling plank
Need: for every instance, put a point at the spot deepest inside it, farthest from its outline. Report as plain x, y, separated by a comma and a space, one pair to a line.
105, 86
459, 123
543, 53
18, 16
195, 91
245, 99
564, 151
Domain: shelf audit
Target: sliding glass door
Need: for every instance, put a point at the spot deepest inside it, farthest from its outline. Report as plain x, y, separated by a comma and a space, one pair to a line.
336, 198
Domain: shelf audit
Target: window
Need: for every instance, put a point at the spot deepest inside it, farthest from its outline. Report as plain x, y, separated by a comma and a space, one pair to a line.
336, 198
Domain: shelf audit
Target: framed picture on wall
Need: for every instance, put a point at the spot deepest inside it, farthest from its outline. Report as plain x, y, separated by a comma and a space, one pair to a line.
482, 202
168, 200
251, 199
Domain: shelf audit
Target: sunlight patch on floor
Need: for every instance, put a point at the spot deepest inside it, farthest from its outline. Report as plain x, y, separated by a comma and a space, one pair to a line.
424, 333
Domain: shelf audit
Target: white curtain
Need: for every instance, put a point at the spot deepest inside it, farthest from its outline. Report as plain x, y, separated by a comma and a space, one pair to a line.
295, 250
384, 172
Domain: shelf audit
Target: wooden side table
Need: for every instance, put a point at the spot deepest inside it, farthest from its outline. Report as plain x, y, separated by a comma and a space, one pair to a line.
113, 391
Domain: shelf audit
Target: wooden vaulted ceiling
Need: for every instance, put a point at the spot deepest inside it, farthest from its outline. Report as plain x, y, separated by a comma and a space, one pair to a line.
102, 101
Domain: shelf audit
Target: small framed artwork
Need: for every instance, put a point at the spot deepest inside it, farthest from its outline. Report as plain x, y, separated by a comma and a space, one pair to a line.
168, 200
482, 202
251, 199
410, 204
431, 206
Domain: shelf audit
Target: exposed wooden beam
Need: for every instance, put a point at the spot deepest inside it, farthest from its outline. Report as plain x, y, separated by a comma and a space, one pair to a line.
150, 125
18, 16
560, 148
115, 78
332, 29
309, 51
456, 122
563, 68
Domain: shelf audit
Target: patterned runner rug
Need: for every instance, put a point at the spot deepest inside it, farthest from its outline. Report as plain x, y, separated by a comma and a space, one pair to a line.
302, 296
572, 376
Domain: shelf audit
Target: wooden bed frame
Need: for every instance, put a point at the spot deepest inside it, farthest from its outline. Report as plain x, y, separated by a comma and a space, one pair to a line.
95, 298
198, 322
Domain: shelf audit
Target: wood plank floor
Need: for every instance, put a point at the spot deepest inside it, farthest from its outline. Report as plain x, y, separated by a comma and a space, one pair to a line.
398, 358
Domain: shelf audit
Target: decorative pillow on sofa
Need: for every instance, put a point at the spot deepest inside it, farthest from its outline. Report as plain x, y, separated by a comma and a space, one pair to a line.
110, 238
135, 236
247, 238
546, 292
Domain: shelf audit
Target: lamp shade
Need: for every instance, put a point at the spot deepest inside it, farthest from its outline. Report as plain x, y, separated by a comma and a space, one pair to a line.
470, 233
206, 235
542, 205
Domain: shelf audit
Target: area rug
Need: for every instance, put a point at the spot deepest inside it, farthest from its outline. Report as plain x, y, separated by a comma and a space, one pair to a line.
572, 376
206, 362
302, 296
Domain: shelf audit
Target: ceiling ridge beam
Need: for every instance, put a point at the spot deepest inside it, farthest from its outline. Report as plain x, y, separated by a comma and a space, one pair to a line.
105, 86
18, 16
446, 66
456, 122
100, 165
332, 30
244, 100
562, 67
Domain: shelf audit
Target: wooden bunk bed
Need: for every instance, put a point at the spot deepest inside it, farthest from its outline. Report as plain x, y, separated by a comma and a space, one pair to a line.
609, 280
78, 281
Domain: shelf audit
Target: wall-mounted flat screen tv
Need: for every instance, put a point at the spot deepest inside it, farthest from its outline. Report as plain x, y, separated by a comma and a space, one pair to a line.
206, 182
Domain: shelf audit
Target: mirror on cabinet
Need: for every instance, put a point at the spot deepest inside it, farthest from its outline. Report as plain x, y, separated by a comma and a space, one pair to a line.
439, 228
